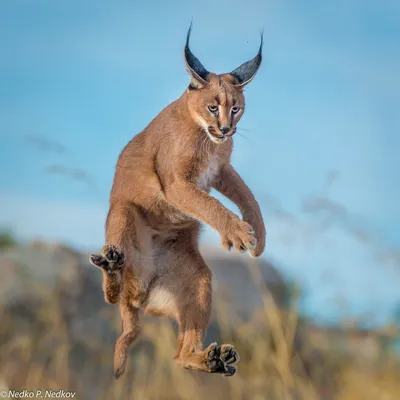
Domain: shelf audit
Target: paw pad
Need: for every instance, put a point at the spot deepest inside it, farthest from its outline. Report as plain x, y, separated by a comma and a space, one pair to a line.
220, 358
111, 259
228, 354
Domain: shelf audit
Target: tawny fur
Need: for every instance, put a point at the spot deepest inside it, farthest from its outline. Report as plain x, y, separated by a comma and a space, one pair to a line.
159, 198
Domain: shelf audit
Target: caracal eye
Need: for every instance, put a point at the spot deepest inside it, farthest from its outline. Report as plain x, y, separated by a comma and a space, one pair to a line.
213, 109
235, 110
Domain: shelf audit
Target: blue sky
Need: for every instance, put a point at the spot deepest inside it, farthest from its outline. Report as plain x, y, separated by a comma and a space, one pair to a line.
79, 79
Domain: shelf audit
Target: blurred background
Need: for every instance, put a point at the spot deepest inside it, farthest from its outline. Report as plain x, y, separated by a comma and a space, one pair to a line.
318, 316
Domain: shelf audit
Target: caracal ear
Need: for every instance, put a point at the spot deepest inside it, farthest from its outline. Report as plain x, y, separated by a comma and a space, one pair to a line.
247, 71
194, 66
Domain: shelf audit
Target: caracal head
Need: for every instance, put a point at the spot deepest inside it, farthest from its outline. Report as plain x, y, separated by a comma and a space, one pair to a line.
216, 102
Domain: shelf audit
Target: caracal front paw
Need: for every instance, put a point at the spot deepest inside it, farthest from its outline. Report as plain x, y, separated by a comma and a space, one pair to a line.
260, 235
240, 235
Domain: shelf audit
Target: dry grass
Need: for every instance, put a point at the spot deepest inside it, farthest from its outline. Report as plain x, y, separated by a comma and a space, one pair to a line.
38, 350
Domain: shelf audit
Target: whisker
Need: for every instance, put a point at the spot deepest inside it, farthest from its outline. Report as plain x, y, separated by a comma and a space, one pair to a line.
208, 146
204, 148
201, 145
246, 130
245, 137
204, 143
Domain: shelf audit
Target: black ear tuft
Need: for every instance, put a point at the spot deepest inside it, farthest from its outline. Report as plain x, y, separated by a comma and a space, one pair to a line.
246, 72
194, 66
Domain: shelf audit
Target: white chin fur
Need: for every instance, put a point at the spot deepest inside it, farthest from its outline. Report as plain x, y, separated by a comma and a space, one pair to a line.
203, 124
213, 138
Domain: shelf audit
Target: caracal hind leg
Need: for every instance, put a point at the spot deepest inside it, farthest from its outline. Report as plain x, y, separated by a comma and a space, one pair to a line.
193, 317
122, 257
130, 331
186, 290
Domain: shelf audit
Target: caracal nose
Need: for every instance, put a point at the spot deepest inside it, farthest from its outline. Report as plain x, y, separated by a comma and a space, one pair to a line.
224, 129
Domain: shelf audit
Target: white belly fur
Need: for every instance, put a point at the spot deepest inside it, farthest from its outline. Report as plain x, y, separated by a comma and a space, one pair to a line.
161, 300
208, 176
